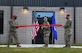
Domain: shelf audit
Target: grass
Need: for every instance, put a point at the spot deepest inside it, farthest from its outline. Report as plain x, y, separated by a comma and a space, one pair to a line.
76, 44
72, 44
40, 50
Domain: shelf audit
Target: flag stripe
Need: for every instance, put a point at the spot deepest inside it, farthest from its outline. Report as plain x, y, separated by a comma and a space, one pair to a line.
35, 29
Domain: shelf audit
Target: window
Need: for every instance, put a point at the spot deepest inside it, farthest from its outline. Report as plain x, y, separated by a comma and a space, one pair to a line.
1, 21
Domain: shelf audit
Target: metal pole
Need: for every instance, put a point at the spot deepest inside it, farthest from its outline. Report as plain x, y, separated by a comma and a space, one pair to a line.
74, 23
34, 41
53, 40
11, 6
74, 27
52, 37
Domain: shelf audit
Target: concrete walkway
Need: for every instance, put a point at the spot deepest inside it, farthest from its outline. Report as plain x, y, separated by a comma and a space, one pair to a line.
39, 45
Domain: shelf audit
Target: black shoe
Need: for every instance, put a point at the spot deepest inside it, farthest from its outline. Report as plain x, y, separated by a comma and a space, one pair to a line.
18, 46
8, 46
66, 47
46, 45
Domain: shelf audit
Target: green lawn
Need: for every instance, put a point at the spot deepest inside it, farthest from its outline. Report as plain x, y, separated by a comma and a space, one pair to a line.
76, 44
40, 50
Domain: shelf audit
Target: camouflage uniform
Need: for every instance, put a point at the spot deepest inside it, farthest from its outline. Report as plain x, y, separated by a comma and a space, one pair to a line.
13, 32
46, 32
67, 34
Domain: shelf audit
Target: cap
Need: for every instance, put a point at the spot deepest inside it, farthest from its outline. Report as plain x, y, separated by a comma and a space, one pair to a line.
14, 15
68, 15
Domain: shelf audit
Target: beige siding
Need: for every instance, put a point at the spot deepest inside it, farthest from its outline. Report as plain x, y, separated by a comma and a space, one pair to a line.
24, 34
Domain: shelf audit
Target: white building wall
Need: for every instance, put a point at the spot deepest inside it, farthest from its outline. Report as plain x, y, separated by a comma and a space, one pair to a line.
60, 19
79, 25
24, 34
4, 37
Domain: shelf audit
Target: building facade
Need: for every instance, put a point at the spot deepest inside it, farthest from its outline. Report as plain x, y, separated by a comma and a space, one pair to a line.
72, 7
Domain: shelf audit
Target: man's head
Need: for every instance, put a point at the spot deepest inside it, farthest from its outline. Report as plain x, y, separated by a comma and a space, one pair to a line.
14, 17
38, 16
67, 16
45, 18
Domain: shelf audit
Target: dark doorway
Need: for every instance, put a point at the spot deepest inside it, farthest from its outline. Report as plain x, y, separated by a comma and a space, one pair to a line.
39, 38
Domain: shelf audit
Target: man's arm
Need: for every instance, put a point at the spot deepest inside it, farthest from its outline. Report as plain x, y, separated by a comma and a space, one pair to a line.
11, 23
68, 23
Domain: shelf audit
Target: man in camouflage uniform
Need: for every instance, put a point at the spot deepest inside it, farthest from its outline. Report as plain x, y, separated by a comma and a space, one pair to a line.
46, 32
67, 28
12, 30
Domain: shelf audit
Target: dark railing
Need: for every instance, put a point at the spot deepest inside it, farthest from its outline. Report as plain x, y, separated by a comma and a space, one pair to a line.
45, 3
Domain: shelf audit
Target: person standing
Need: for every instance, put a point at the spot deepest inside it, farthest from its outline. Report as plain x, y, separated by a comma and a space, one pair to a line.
13, 31
46, 32
67, 28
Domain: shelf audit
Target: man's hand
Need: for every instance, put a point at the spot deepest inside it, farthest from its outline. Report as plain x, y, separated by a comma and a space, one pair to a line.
17, 27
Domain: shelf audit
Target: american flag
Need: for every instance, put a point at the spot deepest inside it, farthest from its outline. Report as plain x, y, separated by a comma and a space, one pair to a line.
35, 29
